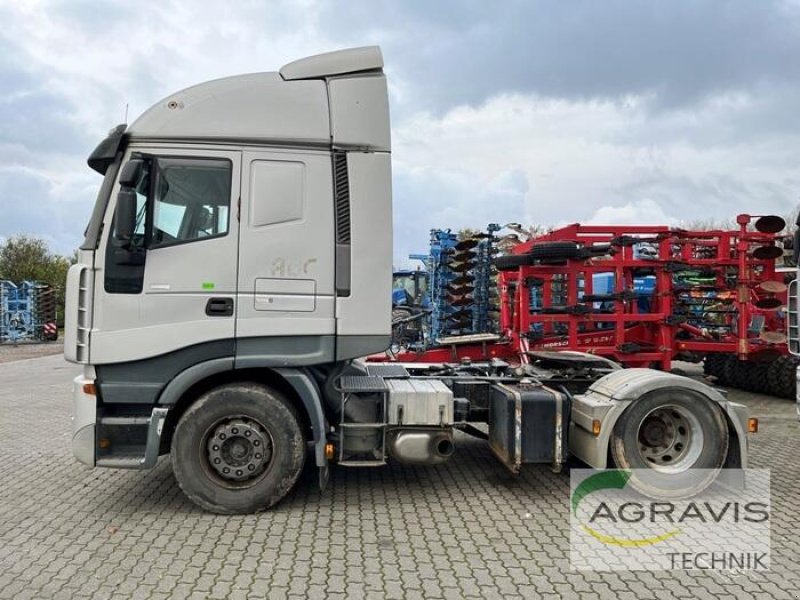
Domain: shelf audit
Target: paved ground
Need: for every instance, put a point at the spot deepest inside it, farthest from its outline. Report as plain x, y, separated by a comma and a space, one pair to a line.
13, 352
465, 529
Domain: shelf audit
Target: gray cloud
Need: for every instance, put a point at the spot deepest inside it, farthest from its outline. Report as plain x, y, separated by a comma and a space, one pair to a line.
40, 121
425, 200
681, 51
682, 106
715, 195
34, 205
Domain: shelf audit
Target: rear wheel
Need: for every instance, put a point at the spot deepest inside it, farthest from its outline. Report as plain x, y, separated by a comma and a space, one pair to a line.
727, 374
238, 449
757, 381
713, 364
671, 433
781, 378
741, 374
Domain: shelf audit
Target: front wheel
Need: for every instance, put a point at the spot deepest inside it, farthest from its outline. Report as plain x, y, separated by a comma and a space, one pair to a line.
677, 437
238, 449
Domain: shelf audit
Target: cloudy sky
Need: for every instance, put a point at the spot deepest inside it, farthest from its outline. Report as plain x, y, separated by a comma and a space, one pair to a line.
545, 112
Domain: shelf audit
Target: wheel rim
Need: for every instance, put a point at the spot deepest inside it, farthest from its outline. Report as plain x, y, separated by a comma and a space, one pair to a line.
237, 451
670, 439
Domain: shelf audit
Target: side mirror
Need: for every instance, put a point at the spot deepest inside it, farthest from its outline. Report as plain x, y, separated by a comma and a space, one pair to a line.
130, 172
796, 245
133, 257
125, 223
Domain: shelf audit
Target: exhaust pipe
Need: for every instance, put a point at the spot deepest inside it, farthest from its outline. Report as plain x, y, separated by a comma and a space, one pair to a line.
443, 446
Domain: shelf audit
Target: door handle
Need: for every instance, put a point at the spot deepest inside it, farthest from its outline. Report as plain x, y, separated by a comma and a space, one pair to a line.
219, 307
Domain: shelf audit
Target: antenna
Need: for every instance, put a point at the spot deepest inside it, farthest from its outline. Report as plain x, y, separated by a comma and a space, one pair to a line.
126, 114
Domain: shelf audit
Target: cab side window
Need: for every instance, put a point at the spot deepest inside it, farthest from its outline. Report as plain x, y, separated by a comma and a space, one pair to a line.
178, 201
191, 200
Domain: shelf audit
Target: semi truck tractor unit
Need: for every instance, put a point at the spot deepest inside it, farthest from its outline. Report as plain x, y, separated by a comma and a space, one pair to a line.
236, 268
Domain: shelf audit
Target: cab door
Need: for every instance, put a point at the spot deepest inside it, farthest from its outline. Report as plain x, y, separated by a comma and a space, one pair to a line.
175, 286
285, 298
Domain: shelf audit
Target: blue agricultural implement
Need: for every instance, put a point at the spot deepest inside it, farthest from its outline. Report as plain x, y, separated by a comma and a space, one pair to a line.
27, 312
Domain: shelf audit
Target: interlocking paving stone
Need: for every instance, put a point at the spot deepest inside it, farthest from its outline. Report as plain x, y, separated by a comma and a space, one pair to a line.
463, 529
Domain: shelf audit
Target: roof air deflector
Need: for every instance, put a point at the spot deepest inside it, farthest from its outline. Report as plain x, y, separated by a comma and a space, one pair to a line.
340, 62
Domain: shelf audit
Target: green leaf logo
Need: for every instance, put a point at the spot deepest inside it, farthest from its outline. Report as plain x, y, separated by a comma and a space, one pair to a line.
612, 479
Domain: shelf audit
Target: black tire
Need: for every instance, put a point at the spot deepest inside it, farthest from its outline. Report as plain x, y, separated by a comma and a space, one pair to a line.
512, 262
757, 380
788, 378
773, 376
713, 364
225, 407
554, 250
745, 375
740, 373
781, 378
728, 370
552, 262
700, 421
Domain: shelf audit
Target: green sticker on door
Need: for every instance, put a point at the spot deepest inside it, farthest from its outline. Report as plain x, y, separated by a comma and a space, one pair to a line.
208, 285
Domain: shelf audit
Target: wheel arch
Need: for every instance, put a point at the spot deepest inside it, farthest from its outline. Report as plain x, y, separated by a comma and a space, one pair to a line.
296, 384
609, 397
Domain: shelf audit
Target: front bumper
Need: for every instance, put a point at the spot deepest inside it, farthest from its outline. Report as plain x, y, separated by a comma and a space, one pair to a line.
84, 418
129, 441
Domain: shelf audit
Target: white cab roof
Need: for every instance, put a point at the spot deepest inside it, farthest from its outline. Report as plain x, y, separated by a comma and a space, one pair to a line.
311, 101
256, 107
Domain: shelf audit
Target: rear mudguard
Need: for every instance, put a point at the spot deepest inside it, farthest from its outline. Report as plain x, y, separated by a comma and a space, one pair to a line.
609, 396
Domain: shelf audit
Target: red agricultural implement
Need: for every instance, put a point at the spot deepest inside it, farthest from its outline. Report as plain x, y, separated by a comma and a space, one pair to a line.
644, 296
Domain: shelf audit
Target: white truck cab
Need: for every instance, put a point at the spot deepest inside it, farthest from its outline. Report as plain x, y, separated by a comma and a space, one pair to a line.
239, 258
